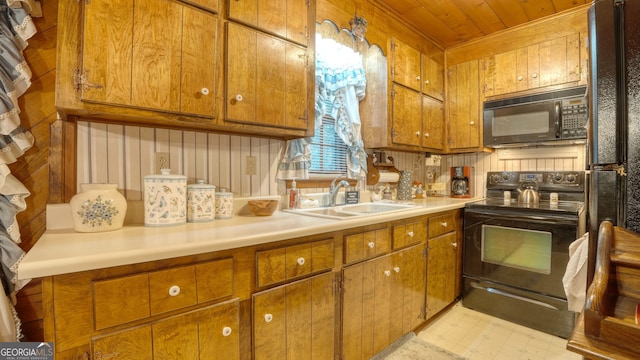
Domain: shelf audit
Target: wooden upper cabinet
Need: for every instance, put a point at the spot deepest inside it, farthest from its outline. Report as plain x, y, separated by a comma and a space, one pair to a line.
464, 122
267, 80
548, 63
433, 74
285, 18
158, 55
433, 124
407, 116
406, 68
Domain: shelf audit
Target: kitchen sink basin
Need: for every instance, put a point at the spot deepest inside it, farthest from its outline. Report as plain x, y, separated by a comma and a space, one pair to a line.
350, 211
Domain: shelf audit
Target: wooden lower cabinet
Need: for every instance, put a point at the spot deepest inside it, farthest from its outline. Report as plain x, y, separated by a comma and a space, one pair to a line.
382, 300
209, 333
297, 320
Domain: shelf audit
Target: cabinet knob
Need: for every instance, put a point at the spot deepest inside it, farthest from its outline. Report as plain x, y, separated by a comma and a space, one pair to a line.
396, 269
174, 290
534, 75
417, 133
519, 77
300, 261
472, 122
204, 91
387, 272
410, 234
238, 98
371, 244
268, 317
426, 134
418, 78
426, 82
444, 224
455, 245
226, 331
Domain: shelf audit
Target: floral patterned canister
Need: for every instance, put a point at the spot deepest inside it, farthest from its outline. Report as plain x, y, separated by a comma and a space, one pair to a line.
98, 207
201, 205
224, 204
165, 199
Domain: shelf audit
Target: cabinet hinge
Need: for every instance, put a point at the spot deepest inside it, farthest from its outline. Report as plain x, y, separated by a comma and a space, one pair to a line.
423, 312
619, 168
338, 286
81, 80
425, 252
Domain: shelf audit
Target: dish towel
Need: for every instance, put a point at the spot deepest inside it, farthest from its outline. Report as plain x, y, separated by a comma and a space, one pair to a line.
575, 276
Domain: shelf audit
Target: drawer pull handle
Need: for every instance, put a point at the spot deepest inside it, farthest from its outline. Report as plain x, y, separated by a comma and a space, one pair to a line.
417, 133
534, 75
455, 245
387, 272
204, 91
371, 244
268, 317
417, 78
444, 224
300, 261
426, 82
226, 331
396, 269
472, 122
238, 98
174, 290
410, 233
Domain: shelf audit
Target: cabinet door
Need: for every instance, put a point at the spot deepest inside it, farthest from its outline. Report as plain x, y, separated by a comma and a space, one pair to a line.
286, 18
412, 269
433, 74
464, 106
199, 41
407, 116
500, 73
107, 60
266, 79
131, 344
442, 264
432, 123
558, 61
296, 321
406, 65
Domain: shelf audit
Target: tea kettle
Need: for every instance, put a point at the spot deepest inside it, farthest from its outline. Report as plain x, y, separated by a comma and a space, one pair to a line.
528, 192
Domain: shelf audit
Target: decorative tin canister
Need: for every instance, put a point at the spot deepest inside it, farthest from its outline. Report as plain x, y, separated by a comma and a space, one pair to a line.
98, 207
165, 199
201, 205
224, 204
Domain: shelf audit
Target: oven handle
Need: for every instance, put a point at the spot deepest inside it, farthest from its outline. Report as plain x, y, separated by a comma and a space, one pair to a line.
514, 296
544, 219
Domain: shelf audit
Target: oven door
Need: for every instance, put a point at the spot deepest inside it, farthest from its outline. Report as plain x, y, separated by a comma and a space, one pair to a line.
511, 248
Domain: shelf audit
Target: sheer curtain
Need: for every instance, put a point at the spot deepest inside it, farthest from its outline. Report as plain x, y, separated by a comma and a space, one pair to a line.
340, 86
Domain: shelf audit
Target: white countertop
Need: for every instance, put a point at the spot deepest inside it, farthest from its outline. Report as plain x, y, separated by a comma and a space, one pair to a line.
62, 250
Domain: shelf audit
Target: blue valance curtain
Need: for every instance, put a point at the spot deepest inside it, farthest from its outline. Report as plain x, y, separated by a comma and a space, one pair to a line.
340, 86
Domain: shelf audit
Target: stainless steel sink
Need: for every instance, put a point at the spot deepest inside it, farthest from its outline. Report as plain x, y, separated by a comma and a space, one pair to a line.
350, 211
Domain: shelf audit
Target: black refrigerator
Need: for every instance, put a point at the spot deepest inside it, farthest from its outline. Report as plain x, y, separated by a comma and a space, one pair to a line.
614, 93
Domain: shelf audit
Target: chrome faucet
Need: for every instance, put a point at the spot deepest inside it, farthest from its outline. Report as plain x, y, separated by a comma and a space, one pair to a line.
333, 190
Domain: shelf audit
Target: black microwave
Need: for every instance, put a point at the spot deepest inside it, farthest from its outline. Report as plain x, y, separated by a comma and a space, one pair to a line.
551, 118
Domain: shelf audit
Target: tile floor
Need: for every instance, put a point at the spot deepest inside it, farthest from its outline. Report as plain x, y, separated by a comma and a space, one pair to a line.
478, 336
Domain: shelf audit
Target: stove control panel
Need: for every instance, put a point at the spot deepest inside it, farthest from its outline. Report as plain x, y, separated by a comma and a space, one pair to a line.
546, 180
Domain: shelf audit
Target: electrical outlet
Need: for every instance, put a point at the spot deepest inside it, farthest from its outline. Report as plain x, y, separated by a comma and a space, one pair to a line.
251, 165
162, 161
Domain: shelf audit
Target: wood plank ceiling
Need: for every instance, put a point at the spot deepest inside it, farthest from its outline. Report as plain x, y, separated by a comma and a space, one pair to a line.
452, 22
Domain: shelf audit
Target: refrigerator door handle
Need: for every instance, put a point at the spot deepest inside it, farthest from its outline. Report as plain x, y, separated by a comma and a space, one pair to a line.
558, 118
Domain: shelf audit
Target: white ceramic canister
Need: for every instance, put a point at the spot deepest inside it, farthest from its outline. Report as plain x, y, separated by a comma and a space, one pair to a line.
165, 199
201, 204
98, 207
224, 204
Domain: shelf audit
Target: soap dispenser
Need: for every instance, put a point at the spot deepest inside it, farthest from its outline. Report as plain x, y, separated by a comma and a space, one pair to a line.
293, 195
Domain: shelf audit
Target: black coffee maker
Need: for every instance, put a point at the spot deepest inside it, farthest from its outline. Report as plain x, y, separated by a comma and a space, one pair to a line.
460, 182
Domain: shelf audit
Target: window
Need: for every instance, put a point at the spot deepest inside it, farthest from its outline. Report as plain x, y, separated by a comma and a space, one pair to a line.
328, 151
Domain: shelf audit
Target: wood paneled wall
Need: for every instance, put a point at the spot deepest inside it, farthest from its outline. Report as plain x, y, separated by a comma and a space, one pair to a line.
32, 169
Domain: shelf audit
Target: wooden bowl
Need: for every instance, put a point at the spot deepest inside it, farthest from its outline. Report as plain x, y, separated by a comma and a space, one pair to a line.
262, 207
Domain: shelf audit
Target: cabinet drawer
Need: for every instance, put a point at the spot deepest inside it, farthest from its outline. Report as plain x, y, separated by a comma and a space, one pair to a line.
214, 279
366, 245
290, 262
118, 301
442, 224
408, 234
172, 289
